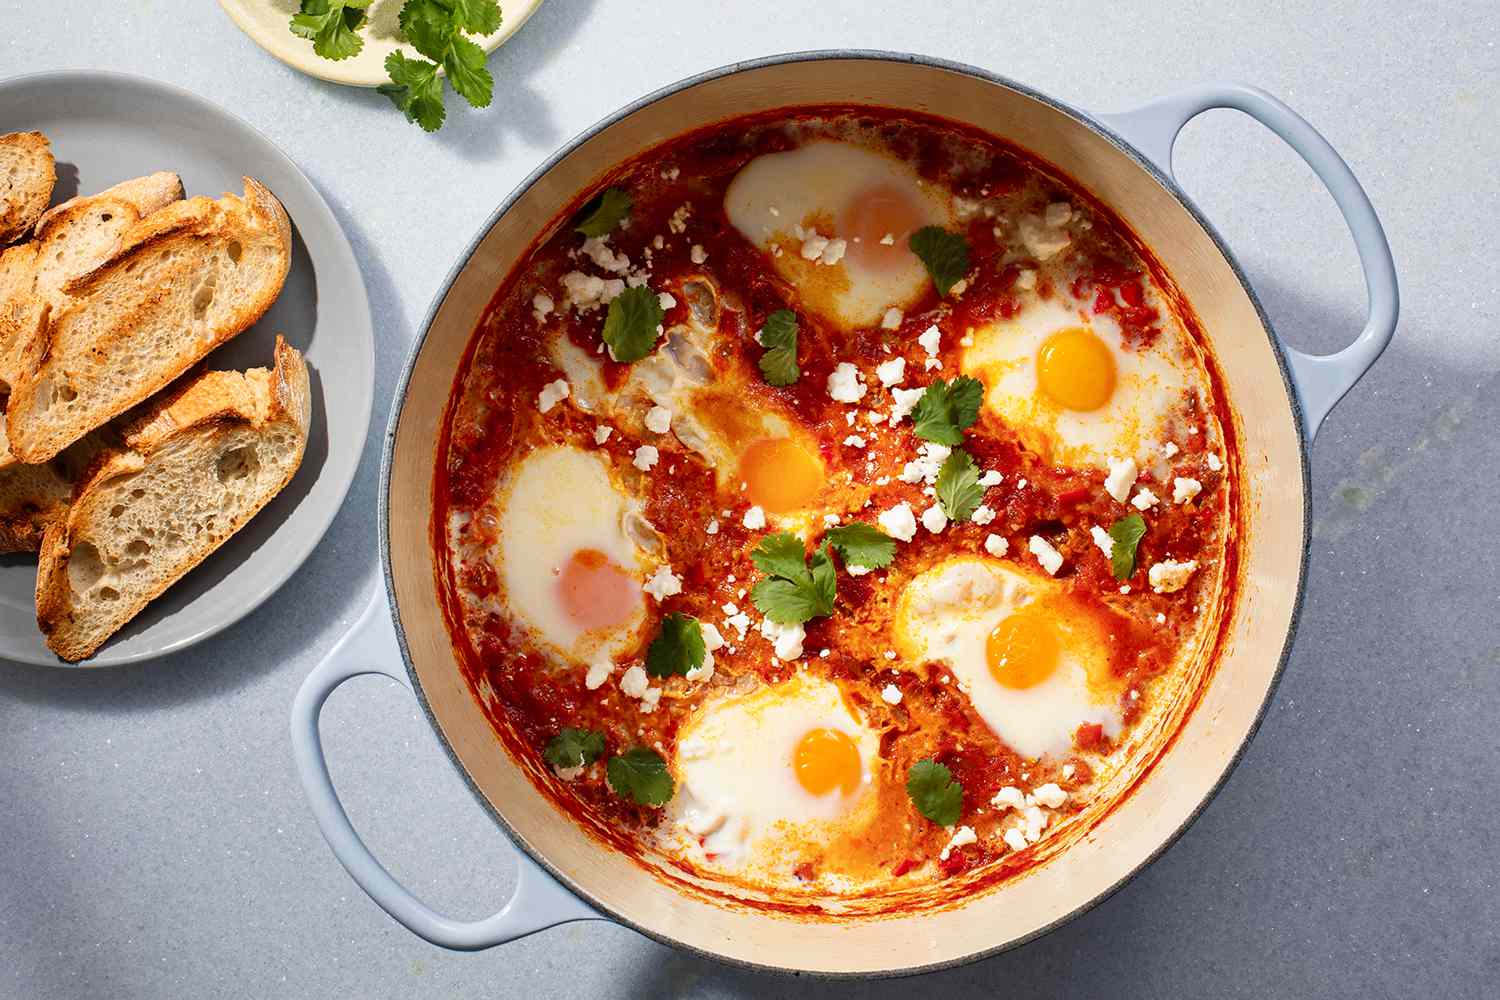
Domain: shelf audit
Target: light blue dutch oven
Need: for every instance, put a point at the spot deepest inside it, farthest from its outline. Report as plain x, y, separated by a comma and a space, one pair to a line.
1278, 396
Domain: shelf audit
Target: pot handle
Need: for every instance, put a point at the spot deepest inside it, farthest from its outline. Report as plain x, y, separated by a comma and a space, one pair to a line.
1320, 380
539, 901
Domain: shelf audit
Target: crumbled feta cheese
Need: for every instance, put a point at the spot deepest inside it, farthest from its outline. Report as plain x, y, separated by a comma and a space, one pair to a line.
1144, 499
1184, 490
589, 291
598, 672
875, 418
666, 300
1170, 576
1041, 240
1122, 473
646, 456
713, 527
739, 621
1050, 559
899, 522
892, 319
833, 252
959, 287
1124, 588
1050, 795
755, 519
1214, 462
678, 222
854, 441
1036, 821
697, 254
906, 401
658, 420
663, 583
996, 545
983, 514
569, 773
845, 384
786, 640
1169, 450
713, 640
857, 570
542, 306
1015, 839
934, 519
829, 520
1026, 280
596, 249
1058, 214
890, 694
634, 681
931, 340
963, 836
1161, 619
888, 240
1068, 770
891, 372
552, 393
1009, 797
1101, 538
813, 246
991, 478
601, 434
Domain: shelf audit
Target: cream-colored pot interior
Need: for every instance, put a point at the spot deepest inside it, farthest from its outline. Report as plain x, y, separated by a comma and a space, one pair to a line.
1173, 791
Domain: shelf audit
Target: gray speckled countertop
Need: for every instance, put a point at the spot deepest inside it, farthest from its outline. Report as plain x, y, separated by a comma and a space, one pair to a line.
153, 842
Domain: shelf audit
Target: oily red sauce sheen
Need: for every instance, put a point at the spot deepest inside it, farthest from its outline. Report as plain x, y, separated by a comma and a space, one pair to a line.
492, 420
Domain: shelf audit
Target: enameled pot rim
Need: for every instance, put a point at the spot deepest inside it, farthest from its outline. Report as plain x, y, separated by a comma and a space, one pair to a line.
1081, 118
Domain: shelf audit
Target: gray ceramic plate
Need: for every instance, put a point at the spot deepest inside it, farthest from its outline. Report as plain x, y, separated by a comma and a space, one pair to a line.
107, 127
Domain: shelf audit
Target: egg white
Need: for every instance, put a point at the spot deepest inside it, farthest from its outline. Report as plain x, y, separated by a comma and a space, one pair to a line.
738, 793
776, 195
947, 613
1146, 408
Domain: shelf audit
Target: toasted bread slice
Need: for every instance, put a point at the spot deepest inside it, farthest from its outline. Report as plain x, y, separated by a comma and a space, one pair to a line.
183, 280
70, 240
34, 496
27, 175
196, 465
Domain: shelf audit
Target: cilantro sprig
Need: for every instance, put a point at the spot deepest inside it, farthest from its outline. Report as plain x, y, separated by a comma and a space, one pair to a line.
779, 337
574, 748
640, 775
437, 29
931, 788
944, 254
677, 648
861, 544
795, 589
604, 212
633, 324
946, 409
958, 488
1126, 533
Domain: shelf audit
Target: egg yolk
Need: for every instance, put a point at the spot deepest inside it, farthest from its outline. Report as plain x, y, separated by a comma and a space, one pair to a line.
1075, 369
873, 214
595, 592
1023, 650
780, 474
827, 759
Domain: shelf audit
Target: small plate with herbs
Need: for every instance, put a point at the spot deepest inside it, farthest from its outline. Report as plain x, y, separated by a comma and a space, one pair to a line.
403, 47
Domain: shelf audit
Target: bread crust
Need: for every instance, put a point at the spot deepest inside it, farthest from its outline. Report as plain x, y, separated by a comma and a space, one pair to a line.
208, 406
22, 203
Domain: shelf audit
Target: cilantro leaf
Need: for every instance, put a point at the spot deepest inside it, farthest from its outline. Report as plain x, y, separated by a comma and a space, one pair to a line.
779, 336
604, 212
1126, 534
944, 254
464, 64
861, 544
574, 748
633, 324
640, 775
931, 788
793, 590
478, 17
416, 89
332, 25
958, 488
946, 408
783, 555
428, 26
677, 648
